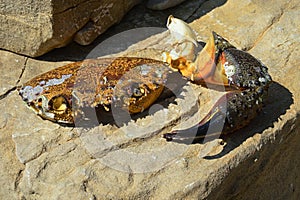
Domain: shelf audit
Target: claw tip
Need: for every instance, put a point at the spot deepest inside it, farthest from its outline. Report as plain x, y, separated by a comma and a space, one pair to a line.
168, 137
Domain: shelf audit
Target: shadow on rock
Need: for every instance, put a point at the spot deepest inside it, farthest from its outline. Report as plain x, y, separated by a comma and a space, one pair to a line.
138, 17
279, 101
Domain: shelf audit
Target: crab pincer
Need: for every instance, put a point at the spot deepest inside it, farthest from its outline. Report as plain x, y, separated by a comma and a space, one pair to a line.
245, 79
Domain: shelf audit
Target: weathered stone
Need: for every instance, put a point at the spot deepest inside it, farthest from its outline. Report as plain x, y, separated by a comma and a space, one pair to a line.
133, 161
11, 170
34, 28
11, 68
107, 14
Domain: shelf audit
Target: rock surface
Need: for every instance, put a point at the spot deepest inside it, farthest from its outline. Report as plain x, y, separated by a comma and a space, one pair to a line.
42, 160
34, 28
163, 4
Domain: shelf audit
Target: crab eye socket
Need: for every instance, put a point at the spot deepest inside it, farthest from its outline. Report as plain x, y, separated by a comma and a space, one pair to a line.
138, 92
42, 102
58, 103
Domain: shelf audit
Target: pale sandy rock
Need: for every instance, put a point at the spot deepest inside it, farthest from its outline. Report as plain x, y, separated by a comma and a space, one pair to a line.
11, 169
34, 28
238, 22
66, 159
108, 162
11, 68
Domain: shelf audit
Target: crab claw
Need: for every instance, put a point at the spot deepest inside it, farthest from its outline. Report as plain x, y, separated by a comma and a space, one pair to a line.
210, 64
183, 39
180, 30
245, 79
210, 127
231, 112
195, 134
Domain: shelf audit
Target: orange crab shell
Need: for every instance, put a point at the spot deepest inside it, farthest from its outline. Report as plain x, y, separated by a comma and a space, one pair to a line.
130, 83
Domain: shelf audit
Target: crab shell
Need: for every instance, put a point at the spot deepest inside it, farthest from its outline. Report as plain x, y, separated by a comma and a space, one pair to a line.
61, 95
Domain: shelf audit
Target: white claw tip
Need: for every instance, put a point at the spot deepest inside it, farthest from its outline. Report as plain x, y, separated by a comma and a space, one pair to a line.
181, 30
